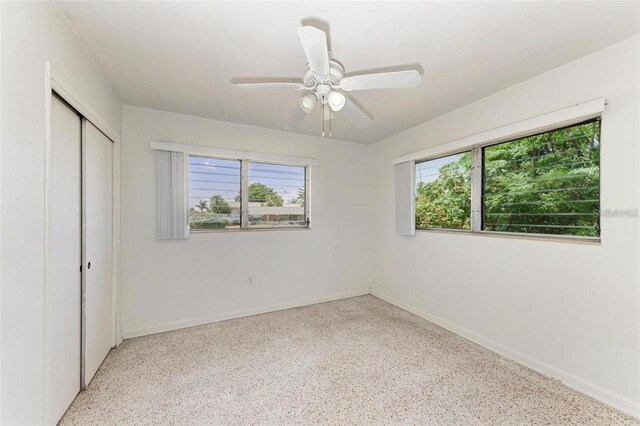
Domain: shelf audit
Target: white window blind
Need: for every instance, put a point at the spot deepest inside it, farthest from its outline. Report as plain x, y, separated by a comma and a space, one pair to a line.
171, 201
405, 193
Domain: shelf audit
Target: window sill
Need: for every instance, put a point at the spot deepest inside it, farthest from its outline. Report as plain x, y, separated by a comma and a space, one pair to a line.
240, 231
517, 236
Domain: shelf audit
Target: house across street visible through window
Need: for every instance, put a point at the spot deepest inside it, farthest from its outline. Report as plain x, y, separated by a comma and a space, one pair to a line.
276, 195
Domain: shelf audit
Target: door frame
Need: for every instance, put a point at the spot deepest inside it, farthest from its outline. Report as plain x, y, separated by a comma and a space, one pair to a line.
55, 82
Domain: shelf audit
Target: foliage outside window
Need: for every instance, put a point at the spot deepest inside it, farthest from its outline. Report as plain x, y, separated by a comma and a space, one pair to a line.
443, 192
545, 184
542, 184
276, 194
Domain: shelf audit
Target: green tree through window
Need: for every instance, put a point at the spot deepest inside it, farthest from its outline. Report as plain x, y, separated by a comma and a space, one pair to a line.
545, 184
261, 193
443, 192
217, 204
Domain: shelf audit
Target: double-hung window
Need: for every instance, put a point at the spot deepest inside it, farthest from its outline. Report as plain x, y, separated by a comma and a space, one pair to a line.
228, 194
547, 183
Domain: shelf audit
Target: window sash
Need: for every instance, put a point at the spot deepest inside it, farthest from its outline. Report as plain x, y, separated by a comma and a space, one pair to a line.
478, 196
416, 186
305, 221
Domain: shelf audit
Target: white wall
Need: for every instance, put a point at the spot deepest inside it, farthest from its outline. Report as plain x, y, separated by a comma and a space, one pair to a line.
32, 33
570, 310
169, 284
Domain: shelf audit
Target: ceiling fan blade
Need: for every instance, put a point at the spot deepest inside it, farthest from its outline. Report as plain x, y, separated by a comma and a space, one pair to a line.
295, 119
355, 115
265, 85
314, 43
384, 80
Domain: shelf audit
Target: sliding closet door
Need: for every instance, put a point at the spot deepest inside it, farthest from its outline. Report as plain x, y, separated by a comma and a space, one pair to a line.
64, 285
98, 227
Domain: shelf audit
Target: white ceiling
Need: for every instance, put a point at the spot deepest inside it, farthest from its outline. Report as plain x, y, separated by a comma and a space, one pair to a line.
181, 56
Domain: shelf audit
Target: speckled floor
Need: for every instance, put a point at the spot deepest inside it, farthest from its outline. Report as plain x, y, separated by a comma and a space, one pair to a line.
353, 361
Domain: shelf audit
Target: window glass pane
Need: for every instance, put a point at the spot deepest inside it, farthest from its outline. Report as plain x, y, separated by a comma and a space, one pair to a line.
545, 184
443, 192
276, 195
214, 193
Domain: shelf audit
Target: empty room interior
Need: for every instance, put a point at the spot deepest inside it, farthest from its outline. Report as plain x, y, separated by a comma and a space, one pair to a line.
325, 212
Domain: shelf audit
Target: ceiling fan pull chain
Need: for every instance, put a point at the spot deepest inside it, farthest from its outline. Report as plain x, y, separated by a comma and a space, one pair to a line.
330, 122
323, 112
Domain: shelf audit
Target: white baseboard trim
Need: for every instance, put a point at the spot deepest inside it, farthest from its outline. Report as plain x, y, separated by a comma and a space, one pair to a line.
612, 399
176, 325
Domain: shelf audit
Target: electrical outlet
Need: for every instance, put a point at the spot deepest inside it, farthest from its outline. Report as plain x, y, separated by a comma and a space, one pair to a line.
251, 280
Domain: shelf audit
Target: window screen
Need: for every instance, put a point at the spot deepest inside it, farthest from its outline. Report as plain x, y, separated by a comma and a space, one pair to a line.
443, 192
544, 184
214, 193
277, 195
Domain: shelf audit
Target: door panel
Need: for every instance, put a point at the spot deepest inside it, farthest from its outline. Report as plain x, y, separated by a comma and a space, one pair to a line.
98, 226
64, 290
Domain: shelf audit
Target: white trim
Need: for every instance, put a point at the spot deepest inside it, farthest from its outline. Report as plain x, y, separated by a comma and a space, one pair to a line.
232, 153
612, 399
541, 123
1, 381
48, 98
307, 196
476, 189
58, 83
55, 81
63, 88
176, 325
83, 253
117, 154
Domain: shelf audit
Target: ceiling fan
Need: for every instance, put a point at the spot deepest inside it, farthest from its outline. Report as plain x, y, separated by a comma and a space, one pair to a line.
325, 80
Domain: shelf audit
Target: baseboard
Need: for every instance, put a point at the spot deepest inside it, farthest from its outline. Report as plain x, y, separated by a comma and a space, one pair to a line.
612, 399
176, 325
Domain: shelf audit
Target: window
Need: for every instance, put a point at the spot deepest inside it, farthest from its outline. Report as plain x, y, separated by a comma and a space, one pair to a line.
544, 184
443, 192
276, 195
214, 191
547, 183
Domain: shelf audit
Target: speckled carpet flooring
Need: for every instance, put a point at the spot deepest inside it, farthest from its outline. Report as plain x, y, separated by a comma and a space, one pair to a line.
353, 361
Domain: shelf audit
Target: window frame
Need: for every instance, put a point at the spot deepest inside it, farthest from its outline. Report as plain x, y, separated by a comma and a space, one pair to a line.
437, 157
477, 190
245, 200
244, 189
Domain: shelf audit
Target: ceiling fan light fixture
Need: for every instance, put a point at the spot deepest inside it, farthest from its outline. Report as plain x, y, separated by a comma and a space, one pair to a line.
307, 102
336, 100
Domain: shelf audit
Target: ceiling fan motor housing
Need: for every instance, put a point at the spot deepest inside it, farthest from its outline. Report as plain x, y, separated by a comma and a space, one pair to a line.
336, 73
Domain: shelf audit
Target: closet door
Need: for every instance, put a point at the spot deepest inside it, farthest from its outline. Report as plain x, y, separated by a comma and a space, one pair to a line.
98, 324
64, 285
